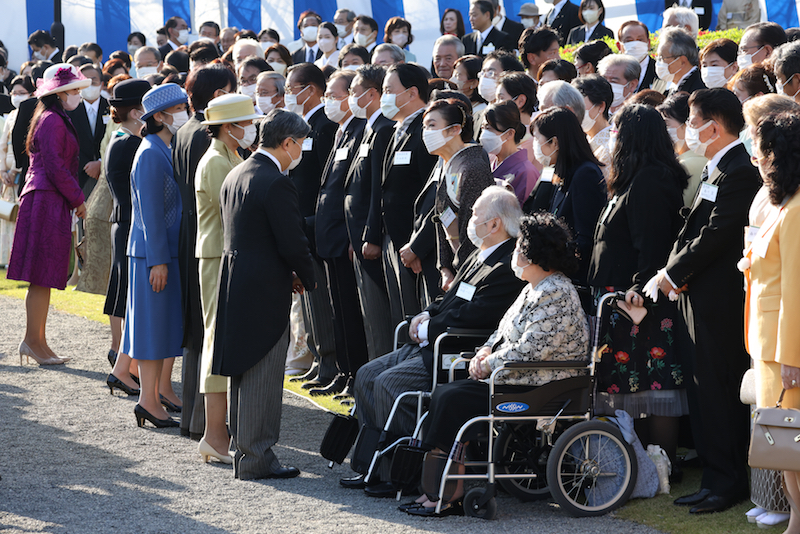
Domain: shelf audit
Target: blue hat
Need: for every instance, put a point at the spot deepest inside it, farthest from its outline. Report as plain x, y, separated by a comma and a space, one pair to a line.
162, 97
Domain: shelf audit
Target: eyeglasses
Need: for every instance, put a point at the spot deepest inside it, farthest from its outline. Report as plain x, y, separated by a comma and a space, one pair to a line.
291, 91
490, 74
248, 81
665, 58
332, 99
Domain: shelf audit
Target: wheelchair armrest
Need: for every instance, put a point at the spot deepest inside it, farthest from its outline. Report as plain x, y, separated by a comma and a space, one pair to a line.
471, 332
572, 364
466, 355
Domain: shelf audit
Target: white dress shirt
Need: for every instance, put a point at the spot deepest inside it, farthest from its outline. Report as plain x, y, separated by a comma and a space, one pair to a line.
92, 109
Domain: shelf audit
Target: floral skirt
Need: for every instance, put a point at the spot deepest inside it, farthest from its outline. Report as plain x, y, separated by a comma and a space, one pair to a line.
641, 370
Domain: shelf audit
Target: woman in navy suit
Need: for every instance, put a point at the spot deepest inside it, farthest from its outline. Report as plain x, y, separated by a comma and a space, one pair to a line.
591, 13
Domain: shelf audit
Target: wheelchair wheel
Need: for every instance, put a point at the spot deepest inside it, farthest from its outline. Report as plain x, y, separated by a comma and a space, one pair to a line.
473, 508
591, 470
521, 449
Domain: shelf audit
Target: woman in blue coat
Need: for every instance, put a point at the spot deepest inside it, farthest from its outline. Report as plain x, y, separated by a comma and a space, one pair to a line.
154, 322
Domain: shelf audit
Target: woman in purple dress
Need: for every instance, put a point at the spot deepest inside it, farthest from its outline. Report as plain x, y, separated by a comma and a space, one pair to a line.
41, 249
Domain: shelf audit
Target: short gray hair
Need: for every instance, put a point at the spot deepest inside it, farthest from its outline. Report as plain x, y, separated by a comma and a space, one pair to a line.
451, 40
632, 68
683, 16
351, 15
398, 56
279, 124
146, 49
560, 94
501, 203
246, 42
680, 43
280, 81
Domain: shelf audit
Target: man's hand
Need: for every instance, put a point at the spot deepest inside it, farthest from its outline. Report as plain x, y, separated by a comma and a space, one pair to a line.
370, 251
158, 277
93, 169
297, 285
413, 327
407, 255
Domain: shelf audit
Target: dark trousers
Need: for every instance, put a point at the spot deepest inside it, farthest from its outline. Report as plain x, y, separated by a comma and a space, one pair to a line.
401, 284
375, 309
318, 319
348, 326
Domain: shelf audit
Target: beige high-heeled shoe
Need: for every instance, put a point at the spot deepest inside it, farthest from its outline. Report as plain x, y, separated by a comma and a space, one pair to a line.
207, 451
25, 350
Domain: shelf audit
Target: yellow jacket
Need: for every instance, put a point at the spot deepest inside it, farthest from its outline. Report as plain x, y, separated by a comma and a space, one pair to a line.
772, 306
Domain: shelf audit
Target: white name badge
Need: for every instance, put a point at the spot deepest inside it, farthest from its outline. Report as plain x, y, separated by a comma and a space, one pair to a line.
341, 154
700, 10
447, 217
465, 291
709, 192
106, 118
363, 151
488, 48
308, 144
402, 158
750, 233
448, 359
547, 174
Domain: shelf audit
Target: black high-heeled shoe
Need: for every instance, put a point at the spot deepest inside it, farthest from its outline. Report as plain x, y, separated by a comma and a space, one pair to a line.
112, 357
169, 405
142, 415
114, 382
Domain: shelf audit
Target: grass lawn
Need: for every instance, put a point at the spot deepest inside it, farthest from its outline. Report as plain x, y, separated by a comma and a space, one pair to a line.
658, 512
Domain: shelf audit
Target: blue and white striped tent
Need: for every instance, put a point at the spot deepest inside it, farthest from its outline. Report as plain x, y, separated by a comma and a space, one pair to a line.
108, 22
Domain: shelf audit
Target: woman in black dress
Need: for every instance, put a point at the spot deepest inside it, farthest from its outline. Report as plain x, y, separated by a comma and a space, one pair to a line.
126, 110
641, 370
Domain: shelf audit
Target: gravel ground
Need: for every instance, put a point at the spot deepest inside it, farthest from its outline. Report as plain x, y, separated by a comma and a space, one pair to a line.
75, 462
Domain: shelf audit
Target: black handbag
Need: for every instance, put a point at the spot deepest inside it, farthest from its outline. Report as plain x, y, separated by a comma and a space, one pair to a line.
406, 470
339, 438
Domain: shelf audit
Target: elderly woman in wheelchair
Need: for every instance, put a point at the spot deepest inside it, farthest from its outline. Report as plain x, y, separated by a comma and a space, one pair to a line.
545, 323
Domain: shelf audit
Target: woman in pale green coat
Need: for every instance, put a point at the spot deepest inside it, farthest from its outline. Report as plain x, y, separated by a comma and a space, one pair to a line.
229, 119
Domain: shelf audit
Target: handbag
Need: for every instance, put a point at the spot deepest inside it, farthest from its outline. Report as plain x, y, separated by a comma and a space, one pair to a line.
8, 208
339, 438
775, 442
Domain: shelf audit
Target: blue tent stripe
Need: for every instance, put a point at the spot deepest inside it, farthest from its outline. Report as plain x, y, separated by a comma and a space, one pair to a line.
112, 18
325, 9
649, 13
463, 7
783, 13
244, 14
383, 10
40, 15
177, 8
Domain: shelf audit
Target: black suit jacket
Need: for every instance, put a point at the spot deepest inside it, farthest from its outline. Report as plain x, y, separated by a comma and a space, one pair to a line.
566, 19
402, 184
331, 229
692, 83
578, 34
263, 242
89, 141
514, 30
423, 237
19, 136
496, 38
188, 146
164, 50
5, 104
649, 75
704, 5
496, 288
300, 55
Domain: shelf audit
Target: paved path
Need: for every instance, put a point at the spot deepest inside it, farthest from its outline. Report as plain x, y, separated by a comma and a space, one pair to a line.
73, 461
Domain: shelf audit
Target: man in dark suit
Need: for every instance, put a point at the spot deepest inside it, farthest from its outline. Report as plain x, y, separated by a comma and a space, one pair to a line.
188, 146
406, 170
702, 268
562, 18
482, 291
513, 28
265, 258
634, 40
362, 208
333, 243
701, 9
305, 84
90, 119
307, 23
177, 33
486, 38
678, 51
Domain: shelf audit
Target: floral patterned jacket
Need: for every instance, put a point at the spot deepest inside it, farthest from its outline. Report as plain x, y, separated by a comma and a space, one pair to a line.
545, 323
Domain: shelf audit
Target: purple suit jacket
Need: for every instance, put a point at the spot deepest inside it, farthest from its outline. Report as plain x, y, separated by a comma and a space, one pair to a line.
518, 171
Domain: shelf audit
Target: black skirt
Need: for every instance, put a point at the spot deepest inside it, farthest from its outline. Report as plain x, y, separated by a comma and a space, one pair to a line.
116, 295
452, 405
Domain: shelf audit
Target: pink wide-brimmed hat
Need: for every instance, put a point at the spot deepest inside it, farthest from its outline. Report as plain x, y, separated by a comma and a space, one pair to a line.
60, 77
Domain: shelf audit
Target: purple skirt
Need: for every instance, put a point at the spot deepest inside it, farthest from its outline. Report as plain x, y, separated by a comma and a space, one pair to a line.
42, 241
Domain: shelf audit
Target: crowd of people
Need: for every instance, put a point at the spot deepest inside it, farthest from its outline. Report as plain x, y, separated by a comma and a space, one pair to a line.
263, 212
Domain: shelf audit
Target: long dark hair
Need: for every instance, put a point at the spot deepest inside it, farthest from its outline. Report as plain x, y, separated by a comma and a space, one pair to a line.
45, 103
642, 141
573, 147
777, 137
460, 28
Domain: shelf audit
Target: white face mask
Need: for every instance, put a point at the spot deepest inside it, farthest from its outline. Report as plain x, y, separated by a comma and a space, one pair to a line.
518, 269
472, 232
435, 139
141, 72
132, 49
295, 162
637, 49
746, 60
591, 16
714, 76
91, 93
334, 111
327, 44
265, 104
361, 40
399, 39
676, 141
39, 56
487, 87
277, 66
351, 67
341, 29
389, 105
491, 142
290, 101
16, 100
248, 90
619, 94
588, 122
458, 83
540, 156
183, 36
779, 88
692, 138
179, 118
358, 111
72, 102
249, 136
662, 70
309, 34
528, 22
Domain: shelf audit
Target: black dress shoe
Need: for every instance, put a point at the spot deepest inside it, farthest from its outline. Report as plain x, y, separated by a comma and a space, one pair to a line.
284, 472
311, 374
317, 383
715, 503
143, 415
346, 392
694, 498
381, 490
408, 506
356, 482
114, 382
448, 508
336, 386
112, 357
